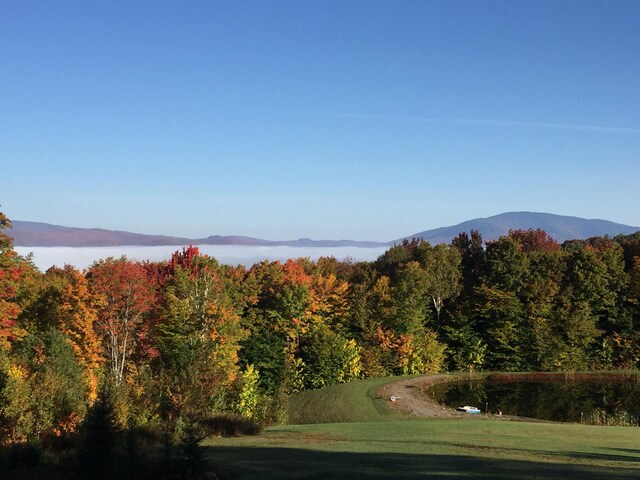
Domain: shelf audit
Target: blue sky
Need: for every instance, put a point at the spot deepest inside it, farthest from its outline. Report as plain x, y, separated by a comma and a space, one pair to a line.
322, 119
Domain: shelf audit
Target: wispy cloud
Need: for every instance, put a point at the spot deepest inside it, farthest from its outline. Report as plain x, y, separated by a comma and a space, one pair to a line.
483, 122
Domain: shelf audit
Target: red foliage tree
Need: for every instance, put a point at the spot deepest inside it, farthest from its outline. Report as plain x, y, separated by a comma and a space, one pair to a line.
184, 259
534, 240
13, 269
127, 296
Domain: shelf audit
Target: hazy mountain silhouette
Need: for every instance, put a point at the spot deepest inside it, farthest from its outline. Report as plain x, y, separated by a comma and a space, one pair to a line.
36, 234
561, 228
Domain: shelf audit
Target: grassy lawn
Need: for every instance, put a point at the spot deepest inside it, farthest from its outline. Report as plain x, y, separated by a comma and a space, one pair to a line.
431, 448
369, 441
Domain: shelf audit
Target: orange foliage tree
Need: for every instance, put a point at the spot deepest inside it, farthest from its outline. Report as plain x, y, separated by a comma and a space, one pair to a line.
79, 314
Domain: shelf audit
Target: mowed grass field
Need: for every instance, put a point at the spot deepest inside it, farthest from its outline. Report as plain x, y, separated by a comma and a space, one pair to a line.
374, 443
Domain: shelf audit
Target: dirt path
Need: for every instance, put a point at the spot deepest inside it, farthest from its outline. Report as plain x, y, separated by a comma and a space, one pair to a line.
406, 397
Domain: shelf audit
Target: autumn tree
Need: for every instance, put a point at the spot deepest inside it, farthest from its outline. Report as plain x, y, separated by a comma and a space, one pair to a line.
13, 275
62, 301
280, 313
418, 353
126, 294
44, 394
78, 322
199, 334
534, 240
330, 300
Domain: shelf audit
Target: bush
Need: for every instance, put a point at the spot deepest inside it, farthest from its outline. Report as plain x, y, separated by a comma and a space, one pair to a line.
229, 425
620, 418
23, 455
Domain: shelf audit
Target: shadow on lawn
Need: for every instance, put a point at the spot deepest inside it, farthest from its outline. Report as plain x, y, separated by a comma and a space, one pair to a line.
599, 457
628, 450
288, 463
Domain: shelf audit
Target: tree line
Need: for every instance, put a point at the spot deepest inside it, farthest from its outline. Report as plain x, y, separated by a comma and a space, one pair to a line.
189, 338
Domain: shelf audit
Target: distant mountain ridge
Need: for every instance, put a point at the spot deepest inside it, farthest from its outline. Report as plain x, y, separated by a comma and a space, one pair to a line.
560, 227
37, 234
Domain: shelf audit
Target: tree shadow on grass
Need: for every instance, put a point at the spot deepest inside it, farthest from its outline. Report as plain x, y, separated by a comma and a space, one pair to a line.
628, 450
288, 463
598, 457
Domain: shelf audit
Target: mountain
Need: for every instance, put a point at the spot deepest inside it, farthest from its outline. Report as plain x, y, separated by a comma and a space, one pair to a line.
560, 227
34, 234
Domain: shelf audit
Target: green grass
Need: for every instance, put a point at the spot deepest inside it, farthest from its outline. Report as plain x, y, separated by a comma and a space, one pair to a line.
433, 449
385, 446
348, 402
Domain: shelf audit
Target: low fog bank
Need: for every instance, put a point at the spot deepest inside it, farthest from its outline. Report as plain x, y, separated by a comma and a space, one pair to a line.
83, 257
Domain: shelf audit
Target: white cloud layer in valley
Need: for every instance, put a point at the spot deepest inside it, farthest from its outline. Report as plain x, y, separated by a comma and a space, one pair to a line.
83, 257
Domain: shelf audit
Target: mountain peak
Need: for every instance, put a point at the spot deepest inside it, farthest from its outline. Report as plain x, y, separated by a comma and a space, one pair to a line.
560, 227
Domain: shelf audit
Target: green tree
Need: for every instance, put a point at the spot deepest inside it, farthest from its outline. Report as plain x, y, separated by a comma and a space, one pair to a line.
595, 275
420, 353
443, 277
502, 315
540, 298
465, 347
507, 265
279, 314
410, 300
328, 357
45, 393
472, 260
389, 262
198, 337
577, 328
99, 436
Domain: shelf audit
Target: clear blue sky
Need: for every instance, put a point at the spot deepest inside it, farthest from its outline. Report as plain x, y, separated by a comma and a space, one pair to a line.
324, 119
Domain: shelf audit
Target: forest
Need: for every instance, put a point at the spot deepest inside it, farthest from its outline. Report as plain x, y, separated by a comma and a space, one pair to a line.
163, 346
